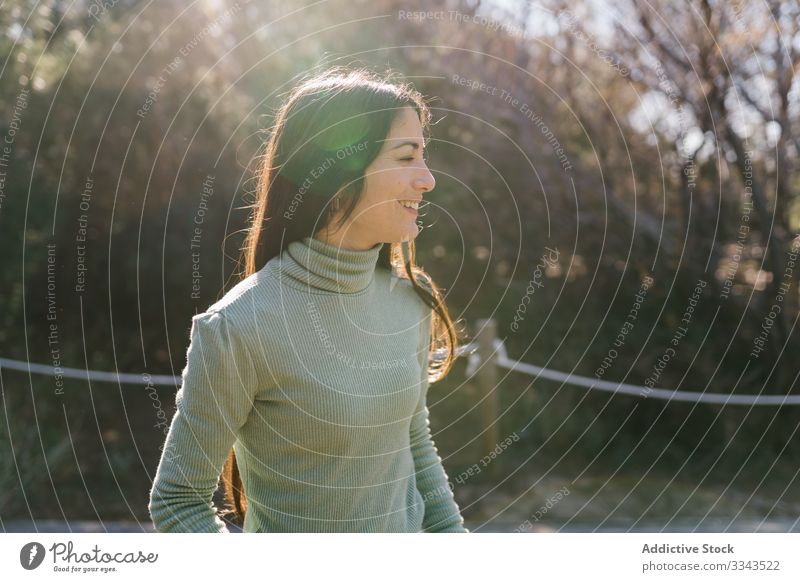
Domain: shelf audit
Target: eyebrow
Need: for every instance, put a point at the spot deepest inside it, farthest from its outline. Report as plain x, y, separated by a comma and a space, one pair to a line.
413, 144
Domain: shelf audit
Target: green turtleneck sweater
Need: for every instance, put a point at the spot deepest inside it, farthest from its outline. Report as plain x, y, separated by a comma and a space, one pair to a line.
315, 370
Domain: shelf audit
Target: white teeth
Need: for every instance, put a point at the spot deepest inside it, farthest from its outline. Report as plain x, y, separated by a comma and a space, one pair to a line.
409, 204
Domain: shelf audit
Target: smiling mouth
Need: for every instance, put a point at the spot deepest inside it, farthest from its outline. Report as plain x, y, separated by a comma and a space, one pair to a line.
412, 206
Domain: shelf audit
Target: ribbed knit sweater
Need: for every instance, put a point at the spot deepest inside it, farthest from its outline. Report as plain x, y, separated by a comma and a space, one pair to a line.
315, 370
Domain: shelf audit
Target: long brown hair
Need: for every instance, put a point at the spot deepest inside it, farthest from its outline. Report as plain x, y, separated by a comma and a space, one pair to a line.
339, 109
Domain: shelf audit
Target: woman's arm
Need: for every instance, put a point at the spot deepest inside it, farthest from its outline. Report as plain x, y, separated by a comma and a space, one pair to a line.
441, 511
214, 401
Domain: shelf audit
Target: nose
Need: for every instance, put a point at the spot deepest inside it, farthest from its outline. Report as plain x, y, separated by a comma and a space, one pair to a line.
425, 182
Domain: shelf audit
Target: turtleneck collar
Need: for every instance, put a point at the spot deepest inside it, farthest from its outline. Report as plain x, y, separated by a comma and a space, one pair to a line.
323, 267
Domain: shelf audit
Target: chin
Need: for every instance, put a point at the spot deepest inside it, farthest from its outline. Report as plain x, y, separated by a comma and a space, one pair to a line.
409, 236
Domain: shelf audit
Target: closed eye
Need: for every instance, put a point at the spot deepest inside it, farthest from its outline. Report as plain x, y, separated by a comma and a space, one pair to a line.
411, 159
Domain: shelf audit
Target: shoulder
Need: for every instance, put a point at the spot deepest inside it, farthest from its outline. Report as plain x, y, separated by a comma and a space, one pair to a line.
246, 305
406, 303
400, 292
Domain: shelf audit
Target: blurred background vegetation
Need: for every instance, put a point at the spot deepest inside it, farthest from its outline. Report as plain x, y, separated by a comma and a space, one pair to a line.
655, 139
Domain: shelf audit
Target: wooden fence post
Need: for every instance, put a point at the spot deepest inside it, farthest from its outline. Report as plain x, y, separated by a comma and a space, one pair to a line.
487, 382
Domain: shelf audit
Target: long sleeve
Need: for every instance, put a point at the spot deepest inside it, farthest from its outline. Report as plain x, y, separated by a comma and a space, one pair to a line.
213, 402
441, 511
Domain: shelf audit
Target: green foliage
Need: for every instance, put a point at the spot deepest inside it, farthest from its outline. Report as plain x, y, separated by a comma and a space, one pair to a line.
128, 111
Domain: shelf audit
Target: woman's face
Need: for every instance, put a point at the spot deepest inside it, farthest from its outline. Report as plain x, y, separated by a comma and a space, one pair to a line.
397, 176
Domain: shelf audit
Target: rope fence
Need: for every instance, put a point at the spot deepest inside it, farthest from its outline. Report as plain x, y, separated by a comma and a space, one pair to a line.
503, 361
487, 347
91, 375
485, 356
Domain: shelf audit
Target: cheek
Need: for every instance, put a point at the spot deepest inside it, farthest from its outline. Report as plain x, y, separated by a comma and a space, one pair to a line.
381, 192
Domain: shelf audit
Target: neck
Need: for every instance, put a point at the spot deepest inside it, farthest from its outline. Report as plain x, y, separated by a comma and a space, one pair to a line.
339, 240
316, 265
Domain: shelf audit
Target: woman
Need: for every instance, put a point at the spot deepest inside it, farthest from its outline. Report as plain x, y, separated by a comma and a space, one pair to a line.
311, 374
